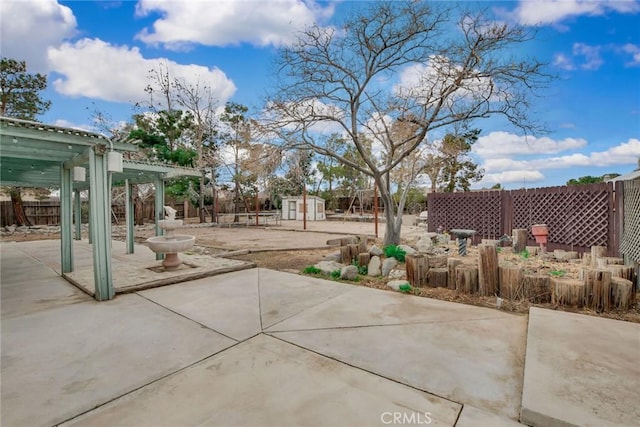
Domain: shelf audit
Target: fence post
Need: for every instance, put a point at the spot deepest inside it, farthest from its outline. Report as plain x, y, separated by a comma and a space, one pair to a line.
617, 222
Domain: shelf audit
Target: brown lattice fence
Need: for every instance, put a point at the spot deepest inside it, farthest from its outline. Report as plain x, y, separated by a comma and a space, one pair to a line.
630, 242
578, 216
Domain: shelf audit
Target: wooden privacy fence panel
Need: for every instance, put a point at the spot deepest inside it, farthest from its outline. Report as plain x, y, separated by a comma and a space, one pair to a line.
630, 242
47, 212
478, 211
578, 216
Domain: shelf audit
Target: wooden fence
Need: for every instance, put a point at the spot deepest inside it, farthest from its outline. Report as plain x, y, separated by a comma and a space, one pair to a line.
578, 216
47, 212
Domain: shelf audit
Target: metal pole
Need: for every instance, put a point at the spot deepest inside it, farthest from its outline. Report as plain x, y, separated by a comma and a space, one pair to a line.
257, 208
304, 207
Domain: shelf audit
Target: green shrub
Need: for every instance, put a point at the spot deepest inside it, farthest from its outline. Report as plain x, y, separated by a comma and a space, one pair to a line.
362, 269
335, 274
557, 273
406, 288
311, 270
393, 251
525, 254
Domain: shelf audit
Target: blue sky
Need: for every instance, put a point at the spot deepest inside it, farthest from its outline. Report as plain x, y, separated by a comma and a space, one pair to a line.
97, 55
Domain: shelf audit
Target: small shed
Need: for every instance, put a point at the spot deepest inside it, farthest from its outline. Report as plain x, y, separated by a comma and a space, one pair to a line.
293, 208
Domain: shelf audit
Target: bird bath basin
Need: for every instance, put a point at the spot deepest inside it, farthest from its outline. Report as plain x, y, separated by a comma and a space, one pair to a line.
170, 244
462, 236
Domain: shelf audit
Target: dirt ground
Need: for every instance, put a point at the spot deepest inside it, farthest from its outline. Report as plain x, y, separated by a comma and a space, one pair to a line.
290, 248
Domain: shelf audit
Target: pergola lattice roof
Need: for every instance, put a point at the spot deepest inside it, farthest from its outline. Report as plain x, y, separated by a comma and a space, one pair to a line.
32, 155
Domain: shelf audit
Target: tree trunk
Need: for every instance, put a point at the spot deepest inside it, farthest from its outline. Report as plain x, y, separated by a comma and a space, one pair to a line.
201, 200
18, 209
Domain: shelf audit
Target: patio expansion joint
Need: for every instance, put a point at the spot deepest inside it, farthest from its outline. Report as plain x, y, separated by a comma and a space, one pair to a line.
370, 372
302, 310
381, 325
133, 390
202, 325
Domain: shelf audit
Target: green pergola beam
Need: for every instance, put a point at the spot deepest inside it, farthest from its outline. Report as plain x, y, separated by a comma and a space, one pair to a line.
100, 224
66, 243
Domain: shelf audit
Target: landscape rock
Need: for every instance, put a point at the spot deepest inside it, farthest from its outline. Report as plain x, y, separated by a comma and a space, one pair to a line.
388, 265
333, 257
407, 249
328, 267
424, 245
373, 269
375, 251
397, 274
395, 284
349, 272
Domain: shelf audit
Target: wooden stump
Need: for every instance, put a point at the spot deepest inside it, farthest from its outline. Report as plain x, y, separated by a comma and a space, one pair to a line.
567, 292
487, 270
354, 251
437, 277
519, 236
533, 250
624, 271
467, 279
362, 243
510, 283
586, 258
598, 289
562, 255
452, 263
417, 269
536, 288
597, 252
363, 259
604, 262
621, 293
345, 255
438, 261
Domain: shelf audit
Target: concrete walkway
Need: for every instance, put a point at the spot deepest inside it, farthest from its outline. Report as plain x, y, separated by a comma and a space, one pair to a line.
259, 347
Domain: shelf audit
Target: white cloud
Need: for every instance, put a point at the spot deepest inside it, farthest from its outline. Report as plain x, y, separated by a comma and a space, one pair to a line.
592, 59
562, 61
30, 27
501, 144
224, 23
540, 12
96, 69
634, 51
517, 176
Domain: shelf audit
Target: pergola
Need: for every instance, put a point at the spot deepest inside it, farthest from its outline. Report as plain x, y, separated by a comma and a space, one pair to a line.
36, 155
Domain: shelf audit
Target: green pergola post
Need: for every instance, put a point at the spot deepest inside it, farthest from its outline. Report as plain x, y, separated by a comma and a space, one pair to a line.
100, 223
78, 213
159, 183
128, 214
66, 226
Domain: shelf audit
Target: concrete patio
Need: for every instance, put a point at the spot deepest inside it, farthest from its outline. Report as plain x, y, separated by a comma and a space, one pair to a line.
260, 347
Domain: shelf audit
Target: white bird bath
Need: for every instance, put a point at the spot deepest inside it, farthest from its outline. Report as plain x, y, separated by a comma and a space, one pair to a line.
170, 244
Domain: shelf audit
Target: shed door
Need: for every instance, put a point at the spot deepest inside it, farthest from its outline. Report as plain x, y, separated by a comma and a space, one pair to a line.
292, 210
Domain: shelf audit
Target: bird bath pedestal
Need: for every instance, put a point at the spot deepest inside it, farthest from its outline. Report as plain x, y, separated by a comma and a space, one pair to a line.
462, 236
170, 244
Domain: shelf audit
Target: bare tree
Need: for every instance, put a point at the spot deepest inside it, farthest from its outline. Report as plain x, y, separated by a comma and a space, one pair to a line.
346, 78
